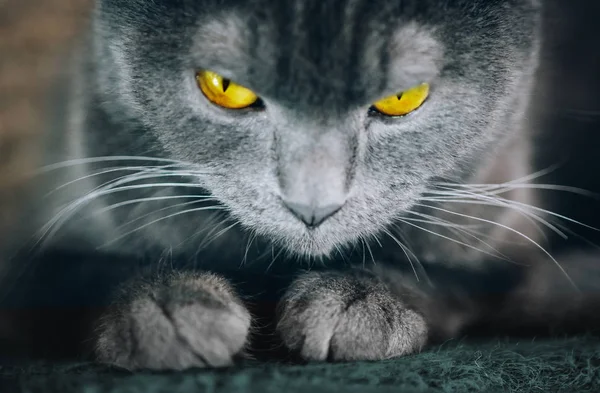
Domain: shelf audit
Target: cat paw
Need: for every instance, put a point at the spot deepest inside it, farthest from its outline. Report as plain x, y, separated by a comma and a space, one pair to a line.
183, 321
346, 317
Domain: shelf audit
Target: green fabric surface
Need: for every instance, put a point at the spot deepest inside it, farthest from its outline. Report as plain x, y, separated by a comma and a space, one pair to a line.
558, 365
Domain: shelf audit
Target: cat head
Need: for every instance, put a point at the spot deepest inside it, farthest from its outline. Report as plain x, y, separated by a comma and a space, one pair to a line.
329, 118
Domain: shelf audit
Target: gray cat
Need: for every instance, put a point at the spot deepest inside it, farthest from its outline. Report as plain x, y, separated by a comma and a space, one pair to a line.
384, 143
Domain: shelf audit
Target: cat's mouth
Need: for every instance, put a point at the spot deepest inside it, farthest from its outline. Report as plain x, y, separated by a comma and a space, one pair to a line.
312, 216
310, 232
313, 231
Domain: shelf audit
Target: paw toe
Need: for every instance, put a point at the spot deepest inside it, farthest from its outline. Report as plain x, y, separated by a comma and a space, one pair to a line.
347, 319
173, 330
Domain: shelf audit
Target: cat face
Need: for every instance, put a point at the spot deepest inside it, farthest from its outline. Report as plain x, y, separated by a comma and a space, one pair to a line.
313, 165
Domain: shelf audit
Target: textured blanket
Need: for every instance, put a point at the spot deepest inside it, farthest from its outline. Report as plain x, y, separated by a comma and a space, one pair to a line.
560, 365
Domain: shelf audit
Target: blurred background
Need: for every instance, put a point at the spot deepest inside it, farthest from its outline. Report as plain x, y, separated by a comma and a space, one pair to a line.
34, 33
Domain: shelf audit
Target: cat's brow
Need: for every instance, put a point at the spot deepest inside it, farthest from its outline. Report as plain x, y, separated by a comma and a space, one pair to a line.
412, 55
415, 57
220, 45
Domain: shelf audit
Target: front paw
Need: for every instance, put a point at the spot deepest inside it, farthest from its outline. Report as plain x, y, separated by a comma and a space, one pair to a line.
343, 317
186, 320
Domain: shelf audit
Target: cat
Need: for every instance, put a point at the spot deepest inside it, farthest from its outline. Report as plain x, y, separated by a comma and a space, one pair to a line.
385, 145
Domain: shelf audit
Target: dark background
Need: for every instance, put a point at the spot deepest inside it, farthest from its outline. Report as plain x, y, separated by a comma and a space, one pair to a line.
569, 129
568, 133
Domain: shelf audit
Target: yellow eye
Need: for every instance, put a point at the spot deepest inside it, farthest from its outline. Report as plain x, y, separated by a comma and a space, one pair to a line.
223, 92
403, 103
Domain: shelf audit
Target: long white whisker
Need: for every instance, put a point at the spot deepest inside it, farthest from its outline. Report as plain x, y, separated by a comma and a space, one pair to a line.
443, 222
456, 229
250, 240
501, 202
506, 187
206, 225
524, 179
364, 255
475, 235
512, 204
92, 160
174, 206
370, 251
523, 208
112, 184
134, 169
511, 230
460, 232
200, 198
340, 251
204, 208
213, 234
575, 234
409, 251
63, 215
208, 241
451, 239
273, 258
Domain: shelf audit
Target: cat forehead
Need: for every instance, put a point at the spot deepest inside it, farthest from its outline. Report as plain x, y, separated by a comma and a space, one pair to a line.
340, 59
351, 51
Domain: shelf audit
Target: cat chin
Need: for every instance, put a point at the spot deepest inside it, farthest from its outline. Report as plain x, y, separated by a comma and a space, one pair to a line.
311, 243
311, 249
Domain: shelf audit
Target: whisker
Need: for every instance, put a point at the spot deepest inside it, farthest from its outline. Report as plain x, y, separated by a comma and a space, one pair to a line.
114, 240
112, 184
506, 187
524, 179
364, 256
460, 233
448, 225
399, 243
476, 199
93, 160
199, 198
580, 237
134, 169
370, 251
208, 241
378, 242
250, 240
509, 203
64, 214
174, 206
404, 239
451, 239
213, 229
213, 223
442, 222
511, 230
503, 202
341, 252
273, 258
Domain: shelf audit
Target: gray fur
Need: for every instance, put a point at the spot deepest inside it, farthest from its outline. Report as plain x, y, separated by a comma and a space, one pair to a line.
333, 316
315, 139
318, 66
178, 322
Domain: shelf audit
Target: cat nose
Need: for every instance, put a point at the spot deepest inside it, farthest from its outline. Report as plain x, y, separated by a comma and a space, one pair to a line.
311, 215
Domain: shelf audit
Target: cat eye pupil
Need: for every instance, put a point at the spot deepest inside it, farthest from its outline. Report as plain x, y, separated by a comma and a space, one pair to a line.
226, 83
224, 92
